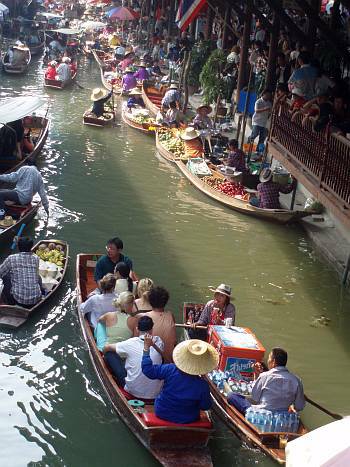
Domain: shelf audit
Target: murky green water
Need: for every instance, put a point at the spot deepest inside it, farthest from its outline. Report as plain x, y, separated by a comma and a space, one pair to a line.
110, 182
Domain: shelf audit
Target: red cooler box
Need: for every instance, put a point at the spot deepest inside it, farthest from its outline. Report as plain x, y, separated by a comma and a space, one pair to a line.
238, 348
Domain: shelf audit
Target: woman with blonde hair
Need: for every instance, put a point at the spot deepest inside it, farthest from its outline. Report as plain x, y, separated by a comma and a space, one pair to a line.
114, 326
143, 289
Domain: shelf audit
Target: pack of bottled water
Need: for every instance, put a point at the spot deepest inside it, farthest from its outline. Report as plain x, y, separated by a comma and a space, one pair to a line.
234, 379
267, 421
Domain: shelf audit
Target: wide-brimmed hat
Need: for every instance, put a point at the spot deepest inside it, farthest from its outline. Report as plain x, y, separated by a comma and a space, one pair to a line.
195, 357
135, 92
20, 47
224, 289
142, 63
207, 107
98, 94
173, 86
53, 63
128, 70
189, 133
265, 175
7, 221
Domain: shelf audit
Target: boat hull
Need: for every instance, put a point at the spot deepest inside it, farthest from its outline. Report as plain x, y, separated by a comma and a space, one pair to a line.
57, 84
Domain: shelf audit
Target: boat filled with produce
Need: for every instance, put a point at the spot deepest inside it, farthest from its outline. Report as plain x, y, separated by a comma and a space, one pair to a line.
53, 256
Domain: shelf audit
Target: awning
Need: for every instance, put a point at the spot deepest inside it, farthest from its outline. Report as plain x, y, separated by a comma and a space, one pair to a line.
67, 31
50, 15
18, 107
327, 446
4, 8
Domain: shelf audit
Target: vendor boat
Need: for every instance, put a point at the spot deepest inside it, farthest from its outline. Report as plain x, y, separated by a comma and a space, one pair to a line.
18, 215
106, 119
57, 84
239, 203
19, 108
152, 97
17, 69
170, 443
139, 120
271, 443
14, 316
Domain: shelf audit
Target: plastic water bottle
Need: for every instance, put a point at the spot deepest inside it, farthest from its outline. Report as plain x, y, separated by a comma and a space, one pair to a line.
279, 423
295, 422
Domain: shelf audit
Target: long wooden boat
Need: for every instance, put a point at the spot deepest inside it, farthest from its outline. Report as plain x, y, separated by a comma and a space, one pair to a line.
147, 128
38, 48
171, 444
17, 69
280, 216
14, 315
90, 119
22, 215
271, 443
57, 84
152, 98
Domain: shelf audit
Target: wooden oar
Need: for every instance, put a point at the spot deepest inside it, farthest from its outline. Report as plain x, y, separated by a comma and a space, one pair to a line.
336, 416
180, 325
79, 85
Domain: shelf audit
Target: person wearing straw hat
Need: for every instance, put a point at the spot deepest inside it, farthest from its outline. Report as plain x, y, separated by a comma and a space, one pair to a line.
99, 97
184, 393
202, 120
141, 74
135, 99
128, 81
192, 143
216, 311
269, 191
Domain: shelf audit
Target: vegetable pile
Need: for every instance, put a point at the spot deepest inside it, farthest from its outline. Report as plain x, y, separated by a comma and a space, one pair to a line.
53, 253
236, 190
171, 142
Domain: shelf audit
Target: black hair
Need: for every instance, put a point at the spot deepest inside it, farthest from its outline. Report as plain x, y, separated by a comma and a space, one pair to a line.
158, 297
25, 244
117, 242
172, 104
282, 87
304, 56
280, 356
124, 272
281, 55
145, 323
266, 90
233, 142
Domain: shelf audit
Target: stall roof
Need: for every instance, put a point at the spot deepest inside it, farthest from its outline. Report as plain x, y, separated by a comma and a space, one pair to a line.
4, 8
18, 107
49, 15
67, 31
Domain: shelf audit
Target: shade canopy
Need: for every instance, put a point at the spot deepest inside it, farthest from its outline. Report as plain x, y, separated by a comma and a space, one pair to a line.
50, 15
92, 25
66, 31
327, 446
3, 8
122, 14
18, 107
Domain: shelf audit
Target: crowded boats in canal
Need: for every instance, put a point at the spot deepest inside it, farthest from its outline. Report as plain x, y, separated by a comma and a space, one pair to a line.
211, 144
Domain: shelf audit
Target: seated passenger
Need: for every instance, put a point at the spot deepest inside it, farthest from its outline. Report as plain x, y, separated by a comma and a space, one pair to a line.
164, 321
128, 81
269, 191
202, 120
192, 142
124, 282
51, 70
130, 376
114, 326
215, 311
134, 99
184, 393
276, 389
142, 73
108, 262
172, 116
236, 157
143, 289
99, 304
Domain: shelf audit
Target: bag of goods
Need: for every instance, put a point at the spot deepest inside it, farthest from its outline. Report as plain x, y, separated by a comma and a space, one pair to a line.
197, 166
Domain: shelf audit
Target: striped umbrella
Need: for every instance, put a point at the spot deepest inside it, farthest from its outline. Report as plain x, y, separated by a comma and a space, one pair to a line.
122, 14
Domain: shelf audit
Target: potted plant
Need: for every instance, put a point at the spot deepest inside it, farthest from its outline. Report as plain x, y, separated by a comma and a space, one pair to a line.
211, 77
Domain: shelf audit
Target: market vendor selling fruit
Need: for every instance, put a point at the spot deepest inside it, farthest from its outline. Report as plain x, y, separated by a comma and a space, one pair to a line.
202, 121
192, 143
269, 191
99, 97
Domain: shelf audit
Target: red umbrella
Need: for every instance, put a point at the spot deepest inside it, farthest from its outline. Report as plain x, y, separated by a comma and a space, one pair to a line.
123, 14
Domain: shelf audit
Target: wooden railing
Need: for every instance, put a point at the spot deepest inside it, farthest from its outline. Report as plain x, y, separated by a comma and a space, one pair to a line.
323, 156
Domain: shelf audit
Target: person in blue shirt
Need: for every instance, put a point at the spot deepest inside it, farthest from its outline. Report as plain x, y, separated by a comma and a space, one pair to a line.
107, 263
184, 393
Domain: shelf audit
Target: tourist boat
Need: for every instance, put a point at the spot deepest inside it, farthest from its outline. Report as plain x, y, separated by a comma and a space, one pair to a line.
17, 69
38, 48
18, 108
271, 443
21, 215
57, 84
147, 127
14, 316
152, 98
281, 216
171, 444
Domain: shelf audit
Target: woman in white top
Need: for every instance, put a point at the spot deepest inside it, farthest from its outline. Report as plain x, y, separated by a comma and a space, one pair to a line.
124, 283
99, 304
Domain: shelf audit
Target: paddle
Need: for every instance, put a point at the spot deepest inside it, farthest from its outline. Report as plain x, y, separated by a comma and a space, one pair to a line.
80, 86
19, 233
179, 325
323, 409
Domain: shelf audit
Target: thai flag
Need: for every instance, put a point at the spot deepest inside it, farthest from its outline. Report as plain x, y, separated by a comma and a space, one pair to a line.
188, 10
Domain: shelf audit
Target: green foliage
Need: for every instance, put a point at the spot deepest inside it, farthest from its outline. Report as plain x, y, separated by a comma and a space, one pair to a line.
199, 56
211, 78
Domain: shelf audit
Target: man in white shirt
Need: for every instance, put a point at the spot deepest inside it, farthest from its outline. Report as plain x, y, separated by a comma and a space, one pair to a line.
260, 118
63, 70
131, 377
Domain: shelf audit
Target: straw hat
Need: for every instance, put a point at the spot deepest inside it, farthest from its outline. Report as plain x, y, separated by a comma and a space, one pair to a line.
224, 289
173, 86
128, 70
7, 221
20, 47
195, 357
189, 133
98, 94
142, 63
266, 175
135, 92
207, 107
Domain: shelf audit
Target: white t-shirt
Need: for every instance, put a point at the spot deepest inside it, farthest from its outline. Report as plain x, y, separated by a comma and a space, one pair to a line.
261, 118
136, 382
121, 285
98, 305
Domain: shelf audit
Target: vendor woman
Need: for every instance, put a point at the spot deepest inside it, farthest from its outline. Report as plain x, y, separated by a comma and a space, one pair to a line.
215, 311
135, 99
202, 121
192, 143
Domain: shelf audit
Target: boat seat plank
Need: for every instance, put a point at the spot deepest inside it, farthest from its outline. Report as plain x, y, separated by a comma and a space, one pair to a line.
152, 420
12, 321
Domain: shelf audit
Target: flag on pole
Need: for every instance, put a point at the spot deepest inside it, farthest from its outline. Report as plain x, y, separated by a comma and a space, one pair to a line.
188, 11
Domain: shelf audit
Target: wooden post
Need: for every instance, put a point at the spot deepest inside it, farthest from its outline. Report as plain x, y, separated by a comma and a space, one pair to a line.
271, 64
242, 72
245, 114
346, 271
293, 197
210, 20
187, 66
225, 31
312, 29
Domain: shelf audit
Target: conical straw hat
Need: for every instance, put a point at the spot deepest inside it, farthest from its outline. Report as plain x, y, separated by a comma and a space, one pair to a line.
195, 357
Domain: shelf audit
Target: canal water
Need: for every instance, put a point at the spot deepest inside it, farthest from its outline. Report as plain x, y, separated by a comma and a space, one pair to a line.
103, 183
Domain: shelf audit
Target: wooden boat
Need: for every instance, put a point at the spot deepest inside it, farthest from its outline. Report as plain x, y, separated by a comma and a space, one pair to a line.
22, 215
271, 443
147, 127
38, 48
21, 107
17, 69
171, 444
90, 119
280, 216
152, 98
57, 84
14, 315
